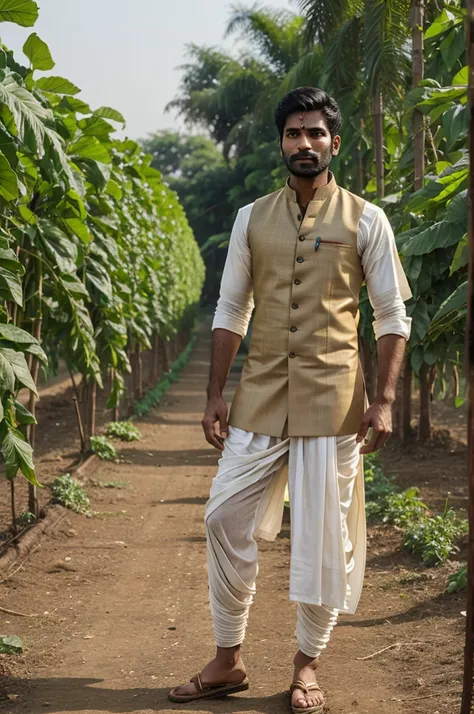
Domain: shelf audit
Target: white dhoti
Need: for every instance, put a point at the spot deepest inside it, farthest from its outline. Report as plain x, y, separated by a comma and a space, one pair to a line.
328, 536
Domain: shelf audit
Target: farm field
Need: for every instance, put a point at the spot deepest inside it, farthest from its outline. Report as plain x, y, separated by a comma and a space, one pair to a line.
126, 593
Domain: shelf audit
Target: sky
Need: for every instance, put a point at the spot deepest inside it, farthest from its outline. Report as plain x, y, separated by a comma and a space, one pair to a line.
125, 54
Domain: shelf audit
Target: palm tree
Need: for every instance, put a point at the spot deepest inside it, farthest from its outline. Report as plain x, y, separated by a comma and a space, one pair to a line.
373, 36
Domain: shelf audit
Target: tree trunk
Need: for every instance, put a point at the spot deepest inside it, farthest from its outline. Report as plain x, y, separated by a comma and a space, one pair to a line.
13, 506
155, 361
93, 408
138, 373
424, 427
406, 399
456, 381
377, 116
418, 12
32, 495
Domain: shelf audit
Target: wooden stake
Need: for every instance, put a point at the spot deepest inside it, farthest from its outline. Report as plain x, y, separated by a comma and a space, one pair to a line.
467, 695
80, 425
12, 501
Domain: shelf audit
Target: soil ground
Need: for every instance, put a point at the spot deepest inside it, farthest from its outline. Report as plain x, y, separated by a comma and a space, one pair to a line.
122, 598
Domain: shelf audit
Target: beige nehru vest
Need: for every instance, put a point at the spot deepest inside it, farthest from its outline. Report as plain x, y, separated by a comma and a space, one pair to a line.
302, 376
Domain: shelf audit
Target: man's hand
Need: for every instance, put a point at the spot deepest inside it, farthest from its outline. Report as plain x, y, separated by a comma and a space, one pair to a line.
379, 417
216, 413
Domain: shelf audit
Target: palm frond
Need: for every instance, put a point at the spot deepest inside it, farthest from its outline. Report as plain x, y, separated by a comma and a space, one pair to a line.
386, 44
324, 17
278, 34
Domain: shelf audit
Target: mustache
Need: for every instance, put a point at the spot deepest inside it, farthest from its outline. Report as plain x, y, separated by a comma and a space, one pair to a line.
304, 155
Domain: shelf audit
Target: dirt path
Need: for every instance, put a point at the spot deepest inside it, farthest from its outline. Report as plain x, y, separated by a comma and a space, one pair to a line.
124, 597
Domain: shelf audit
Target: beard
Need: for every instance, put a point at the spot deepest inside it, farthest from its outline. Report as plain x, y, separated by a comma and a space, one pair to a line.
319, 163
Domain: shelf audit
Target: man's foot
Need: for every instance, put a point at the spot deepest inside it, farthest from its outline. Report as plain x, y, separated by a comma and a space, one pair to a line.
305, 670
217, 671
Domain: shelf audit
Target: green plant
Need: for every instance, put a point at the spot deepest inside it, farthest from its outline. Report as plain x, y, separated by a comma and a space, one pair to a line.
433, 538
111, 484
378, 487
103, 449
69, 493
458, 580
124, 430
25, 519
11, 644
402, 509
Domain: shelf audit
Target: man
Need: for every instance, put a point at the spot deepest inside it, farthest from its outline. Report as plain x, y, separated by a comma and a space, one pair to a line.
300, 255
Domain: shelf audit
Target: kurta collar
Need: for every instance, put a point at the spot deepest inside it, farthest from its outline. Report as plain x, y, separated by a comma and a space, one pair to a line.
321, 193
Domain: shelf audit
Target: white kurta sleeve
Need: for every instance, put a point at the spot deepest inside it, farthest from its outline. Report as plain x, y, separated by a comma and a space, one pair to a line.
387, 285
235, 304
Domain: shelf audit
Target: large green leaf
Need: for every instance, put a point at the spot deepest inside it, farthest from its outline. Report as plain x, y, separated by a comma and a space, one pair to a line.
58, 85
7, 375
440, 235
74, 286
79, 228
452, 309
109, 113
457, 208
18, 454
442, 23
22, 12
16, 334
461, 256
23, 415
19, 366
29, 114
38, 53
11, 287
421, 321
461, 77
89, 147
8, 180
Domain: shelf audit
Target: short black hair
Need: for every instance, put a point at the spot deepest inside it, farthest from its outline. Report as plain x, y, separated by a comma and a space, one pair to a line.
309, 99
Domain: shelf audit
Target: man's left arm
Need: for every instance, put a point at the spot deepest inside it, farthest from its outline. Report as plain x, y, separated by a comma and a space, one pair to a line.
388, 289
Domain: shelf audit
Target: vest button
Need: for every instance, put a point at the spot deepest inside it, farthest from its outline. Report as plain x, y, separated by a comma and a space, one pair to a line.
302, 238
300, 259
295, 306
297, 281
298, 218
293, 328
292, 354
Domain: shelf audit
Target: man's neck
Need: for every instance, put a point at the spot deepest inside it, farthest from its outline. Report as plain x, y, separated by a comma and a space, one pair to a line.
305, 188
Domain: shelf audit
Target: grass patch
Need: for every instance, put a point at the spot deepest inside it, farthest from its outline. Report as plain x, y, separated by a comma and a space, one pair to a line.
110, 484
123, 430
431, 538
69, 493
103, 448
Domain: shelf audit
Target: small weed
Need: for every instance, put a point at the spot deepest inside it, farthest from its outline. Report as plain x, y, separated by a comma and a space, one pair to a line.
402, 509
433, 538
111, 484
123, 430
10, 644
69, 493
103, 449
25, 519
378, 486
458, 581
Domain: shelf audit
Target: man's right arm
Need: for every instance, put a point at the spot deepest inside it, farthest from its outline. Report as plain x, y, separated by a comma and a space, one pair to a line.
224, 348
231, 320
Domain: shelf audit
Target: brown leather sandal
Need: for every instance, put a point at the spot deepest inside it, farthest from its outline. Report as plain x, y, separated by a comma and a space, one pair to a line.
306, 688
208, 691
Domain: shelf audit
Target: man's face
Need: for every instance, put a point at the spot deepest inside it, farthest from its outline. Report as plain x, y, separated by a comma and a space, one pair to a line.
308, 152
